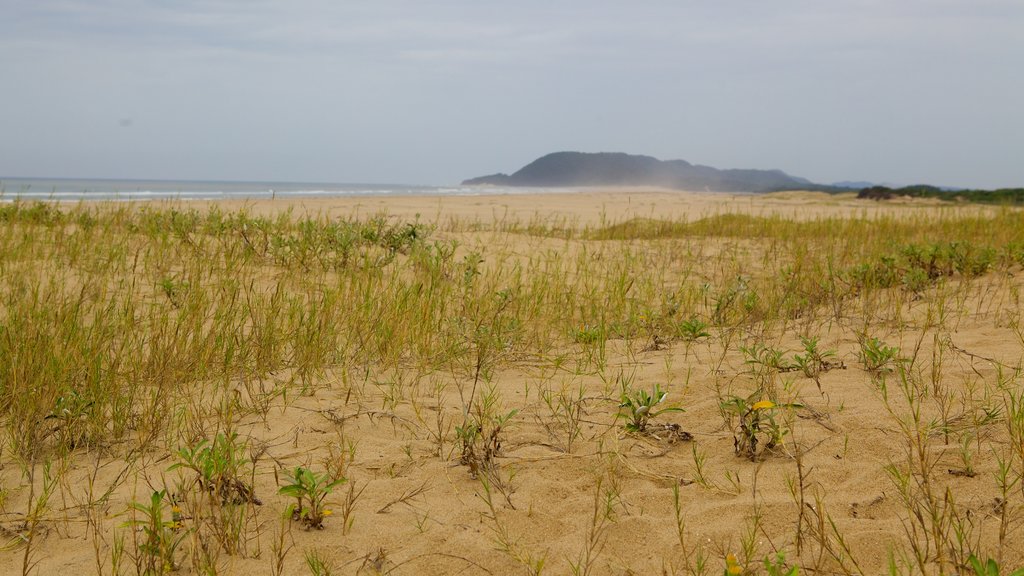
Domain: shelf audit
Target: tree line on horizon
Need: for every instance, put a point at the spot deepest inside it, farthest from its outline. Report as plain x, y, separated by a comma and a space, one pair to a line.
998, 196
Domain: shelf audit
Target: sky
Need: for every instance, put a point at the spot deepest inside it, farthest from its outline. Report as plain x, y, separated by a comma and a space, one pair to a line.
432, 92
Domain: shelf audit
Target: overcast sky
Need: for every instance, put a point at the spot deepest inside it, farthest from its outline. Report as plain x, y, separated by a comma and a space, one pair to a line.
416, 91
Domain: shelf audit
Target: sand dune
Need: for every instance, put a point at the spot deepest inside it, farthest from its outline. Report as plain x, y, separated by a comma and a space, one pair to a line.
855, 478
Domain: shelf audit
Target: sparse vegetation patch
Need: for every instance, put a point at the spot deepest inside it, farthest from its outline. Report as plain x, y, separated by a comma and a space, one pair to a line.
229, 392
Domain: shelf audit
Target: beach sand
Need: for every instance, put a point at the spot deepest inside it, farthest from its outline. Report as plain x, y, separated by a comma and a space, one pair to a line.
586, 206
609, 505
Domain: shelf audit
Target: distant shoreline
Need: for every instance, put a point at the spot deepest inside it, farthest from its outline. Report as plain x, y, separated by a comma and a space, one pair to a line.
72, 189
92, 190
589, 207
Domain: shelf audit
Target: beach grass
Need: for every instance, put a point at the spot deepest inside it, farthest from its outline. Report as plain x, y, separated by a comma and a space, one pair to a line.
215, 391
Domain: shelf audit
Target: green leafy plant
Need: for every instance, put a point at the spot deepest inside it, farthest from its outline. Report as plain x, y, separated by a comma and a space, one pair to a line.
638, 407
160, 536
587, 334
814, 361
219, 467
877, 356
777, 566
765, 358
915, 280
990, 568
692, 330
310, 490
759, 427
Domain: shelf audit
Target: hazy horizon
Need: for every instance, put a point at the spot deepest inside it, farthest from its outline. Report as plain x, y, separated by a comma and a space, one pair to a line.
915, 91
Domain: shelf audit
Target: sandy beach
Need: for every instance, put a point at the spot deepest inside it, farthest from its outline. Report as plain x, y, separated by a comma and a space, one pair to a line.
584, 206
473, 403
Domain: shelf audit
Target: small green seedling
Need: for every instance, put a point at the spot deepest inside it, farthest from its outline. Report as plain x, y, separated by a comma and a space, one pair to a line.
692, 330
814, 361
638, 407
877, 356
777, 566
309, 490
765, 359
160, 537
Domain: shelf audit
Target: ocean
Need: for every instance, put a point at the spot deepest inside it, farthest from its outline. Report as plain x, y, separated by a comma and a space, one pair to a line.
74, 190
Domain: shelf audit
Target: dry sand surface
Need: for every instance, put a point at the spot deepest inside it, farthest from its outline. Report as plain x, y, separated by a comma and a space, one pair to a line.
570, 489
589, 206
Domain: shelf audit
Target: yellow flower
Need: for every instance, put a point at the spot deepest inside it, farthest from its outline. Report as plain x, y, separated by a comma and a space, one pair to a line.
762, 405
328, 512
731, 565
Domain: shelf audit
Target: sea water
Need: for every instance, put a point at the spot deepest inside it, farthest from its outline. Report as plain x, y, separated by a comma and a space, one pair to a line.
74, 190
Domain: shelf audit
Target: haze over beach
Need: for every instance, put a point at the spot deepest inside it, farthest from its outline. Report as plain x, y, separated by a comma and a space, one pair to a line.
588, 288
901, 92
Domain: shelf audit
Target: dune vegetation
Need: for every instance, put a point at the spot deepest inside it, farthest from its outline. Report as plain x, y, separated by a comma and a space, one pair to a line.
211, 391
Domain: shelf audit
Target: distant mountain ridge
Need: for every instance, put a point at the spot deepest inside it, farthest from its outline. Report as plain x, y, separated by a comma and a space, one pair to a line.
560, 169
854, 184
